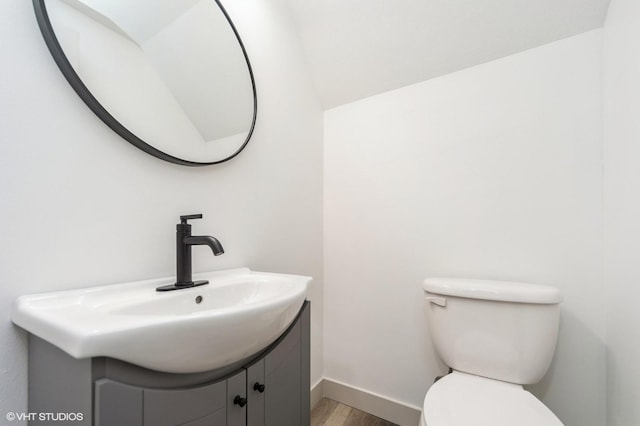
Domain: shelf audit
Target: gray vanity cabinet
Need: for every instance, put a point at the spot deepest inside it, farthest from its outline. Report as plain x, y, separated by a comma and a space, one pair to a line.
269, 389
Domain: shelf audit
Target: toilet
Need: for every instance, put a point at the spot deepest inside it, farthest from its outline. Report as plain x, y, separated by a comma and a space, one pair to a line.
496, 336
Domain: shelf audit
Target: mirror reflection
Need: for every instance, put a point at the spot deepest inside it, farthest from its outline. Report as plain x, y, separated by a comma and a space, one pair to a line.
173, 73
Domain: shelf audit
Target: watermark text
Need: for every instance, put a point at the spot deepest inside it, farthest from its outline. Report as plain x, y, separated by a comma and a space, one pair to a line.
44, 417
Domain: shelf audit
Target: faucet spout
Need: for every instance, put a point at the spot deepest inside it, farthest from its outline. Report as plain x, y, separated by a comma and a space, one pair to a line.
205, 240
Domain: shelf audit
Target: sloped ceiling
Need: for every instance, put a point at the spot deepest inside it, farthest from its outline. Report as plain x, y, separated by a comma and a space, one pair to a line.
359, 48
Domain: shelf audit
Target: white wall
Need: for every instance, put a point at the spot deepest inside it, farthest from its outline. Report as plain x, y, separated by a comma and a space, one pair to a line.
80, 206
490, 172
622, 209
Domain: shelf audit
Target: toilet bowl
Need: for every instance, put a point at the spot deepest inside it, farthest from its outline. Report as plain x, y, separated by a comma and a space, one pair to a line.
496, 336
461, 399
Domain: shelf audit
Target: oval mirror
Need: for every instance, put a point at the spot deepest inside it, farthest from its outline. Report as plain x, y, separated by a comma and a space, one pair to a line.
170, 76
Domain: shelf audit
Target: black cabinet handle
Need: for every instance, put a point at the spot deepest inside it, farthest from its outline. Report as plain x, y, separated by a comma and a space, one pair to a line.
258, 387
238, 400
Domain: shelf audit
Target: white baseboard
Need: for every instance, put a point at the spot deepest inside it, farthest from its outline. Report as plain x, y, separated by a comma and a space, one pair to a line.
380, 406
317, 393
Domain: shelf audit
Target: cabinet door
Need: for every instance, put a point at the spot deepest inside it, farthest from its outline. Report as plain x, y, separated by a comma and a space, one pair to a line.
237, 399
117, 404
286, 377
255, 394
197, 406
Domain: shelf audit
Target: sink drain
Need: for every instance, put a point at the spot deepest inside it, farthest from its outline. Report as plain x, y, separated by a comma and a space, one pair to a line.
198, 299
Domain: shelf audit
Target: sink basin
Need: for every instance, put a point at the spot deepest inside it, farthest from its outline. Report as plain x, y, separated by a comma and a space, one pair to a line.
237, 314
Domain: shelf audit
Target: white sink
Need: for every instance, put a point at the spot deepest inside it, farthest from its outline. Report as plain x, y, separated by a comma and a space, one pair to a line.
237, 314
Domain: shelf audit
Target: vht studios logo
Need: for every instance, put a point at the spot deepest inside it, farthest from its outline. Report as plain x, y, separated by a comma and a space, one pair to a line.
45, 417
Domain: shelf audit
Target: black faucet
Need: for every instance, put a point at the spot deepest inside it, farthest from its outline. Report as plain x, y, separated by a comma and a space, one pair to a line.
184, 241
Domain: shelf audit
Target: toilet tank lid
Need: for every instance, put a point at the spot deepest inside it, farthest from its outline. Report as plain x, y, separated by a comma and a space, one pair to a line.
503, 291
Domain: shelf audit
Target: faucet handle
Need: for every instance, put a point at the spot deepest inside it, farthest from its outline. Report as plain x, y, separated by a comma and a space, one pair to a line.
184, 219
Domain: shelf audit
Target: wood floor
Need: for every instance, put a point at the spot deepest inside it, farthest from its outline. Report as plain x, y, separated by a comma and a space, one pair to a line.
331, 413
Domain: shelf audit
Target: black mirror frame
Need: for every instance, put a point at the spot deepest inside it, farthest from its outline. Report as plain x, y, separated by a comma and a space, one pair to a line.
76, 83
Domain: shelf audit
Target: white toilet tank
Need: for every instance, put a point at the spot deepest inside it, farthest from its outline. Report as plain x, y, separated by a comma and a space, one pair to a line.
501, 330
